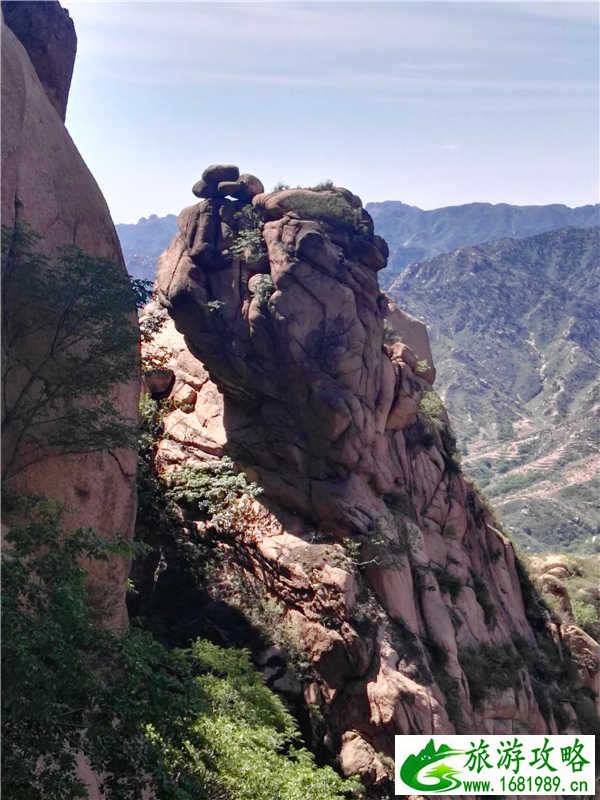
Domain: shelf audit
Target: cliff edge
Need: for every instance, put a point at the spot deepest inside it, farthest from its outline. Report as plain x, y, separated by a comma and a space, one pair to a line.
387, 568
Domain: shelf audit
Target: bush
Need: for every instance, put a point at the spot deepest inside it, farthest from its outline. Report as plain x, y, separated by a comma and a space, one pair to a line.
323, 186
389, 334
195, 724
248, 243
330, 207
491, 667
264, 289
431, 407
586, 616
213, 488
448, 583
483, 598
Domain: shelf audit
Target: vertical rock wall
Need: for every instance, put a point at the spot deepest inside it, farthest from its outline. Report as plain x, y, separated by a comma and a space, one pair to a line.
46, 184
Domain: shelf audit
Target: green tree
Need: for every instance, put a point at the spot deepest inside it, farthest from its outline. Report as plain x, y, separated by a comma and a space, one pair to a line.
69, 337
196, 724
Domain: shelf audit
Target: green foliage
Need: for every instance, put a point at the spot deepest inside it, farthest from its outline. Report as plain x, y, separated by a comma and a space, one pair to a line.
69, 336
483, 598
213, 488
505, 430
448, 583
323, 186
249, 244
581, 582
431, 407
422, 366
330, 207
536, 610
555, 682
586, 616
490, 667
432, 416
264, 289
400, 504
267, 616
353, 548
389, 334
450, 688
512, 483
196, 724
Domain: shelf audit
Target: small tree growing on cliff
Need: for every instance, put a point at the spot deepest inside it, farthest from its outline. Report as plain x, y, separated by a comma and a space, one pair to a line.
69, 337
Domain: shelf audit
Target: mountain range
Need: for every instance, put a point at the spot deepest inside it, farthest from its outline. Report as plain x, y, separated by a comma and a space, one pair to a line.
414, 235
143, 241
514, 334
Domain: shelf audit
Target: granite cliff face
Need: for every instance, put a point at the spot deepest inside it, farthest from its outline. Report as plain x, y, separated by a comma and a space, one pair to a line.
46, 184
387, 568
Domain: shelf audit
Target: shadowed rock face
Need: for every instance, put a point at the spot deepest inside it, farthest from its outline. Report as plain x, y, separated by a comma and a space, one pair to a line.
47, 33
385, 561
46, 184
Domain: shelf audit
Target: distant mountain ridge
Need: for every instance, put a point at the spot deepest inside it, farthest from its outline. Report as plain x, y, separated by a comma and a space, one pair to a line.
515, 339
414, 235
143, 241
411, 233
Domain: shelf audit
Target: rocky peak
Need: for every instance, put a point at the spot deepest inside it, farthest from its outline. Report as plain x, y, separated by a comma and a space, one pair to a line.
401, 591
47, 33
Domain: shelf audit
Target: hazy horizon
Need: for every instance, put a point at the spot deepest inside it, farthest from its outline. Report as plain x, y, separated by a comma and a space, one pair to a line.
152, 214
431, 104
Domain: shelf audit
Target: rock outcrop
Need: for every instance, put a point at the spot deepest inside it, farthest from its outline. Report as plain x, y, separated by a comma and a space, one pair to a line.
386, 565
48, 35
46, 184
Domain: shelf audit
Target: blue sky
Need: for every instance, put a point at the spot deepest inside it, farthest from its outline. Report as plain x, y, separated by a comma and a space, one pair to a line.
431, 103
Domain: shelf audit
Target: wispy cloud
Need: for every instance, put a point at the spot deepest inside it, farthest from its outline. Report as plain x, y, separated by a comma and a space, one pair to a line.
413, 87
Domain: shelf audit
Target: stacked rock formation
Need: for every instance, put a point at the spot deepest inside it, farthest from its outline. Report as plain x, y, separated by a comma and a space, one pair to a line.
384, 560
224, 180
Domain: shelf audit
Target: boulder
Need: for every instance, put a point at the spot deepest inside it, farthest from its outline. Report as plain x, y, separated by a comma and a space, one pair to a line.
235, 189
203, 188
413, 333
253, 185
216, 173
327, 206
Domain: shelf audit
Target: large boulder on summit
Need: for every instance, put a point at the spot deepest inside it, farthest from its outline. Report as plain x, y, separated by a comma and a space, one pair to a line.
383, 560
220, 172
330, 207
46, 184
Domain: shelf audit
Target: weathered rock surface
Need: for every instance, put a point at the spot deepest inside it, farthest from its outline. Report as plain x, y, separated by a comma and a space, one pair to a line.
388, 567
47, 33
46, 184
